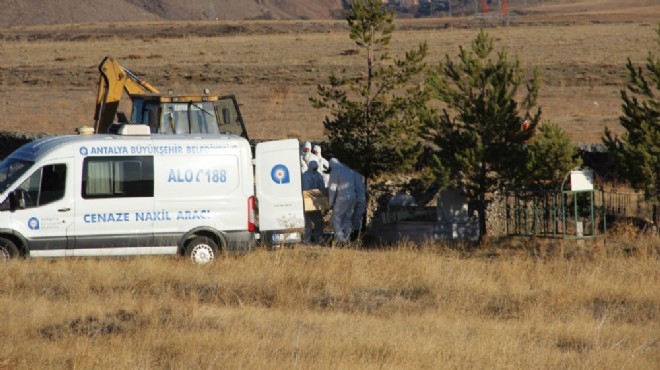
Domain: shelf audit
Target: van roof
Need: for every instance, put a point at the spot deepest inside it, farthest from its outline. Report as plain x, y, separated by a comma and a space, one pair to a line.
36, 149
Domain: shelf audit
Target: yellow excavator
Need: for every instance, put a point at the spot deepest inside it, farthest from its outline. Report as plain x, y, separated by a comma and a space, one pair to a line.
163, 113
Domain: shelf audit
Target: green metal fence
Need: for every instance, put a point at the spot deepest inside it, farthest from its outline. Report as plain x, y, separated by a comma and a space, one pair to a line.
555, 213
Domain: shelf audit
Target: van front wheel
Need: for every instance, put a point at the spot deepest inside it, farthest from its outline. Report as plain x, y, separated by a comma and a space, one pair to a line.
7, 250
201, 250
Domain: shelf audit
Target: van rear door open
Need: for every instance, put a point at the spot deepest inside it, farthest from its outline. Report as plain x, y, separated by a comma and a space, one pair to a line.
279, 191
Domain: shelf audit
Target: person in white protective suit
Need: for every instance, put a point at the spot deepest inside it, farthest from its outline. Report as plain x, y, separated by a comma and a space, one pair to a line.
303, 165
307, 148
360, 205
306, 156
341, 198
312, 179
306, 151
323, 164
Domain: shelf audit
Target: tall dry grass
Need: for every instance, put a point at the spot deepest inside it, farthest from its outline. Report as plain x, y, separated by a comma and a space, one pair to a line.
548, 305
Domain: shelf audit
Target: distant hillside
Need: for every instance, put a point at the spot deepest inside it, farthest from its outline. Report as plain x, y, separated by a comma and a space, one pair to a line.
54, 12
46, 12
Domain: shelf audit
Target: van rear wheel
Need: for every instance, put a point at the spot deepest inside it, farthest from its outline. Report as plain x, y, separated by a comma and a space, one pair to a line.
7, 250
201, 250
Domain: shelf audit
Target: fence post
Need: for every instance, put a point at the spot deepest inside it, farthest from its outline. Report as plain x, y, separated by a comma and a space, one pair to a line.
601, 209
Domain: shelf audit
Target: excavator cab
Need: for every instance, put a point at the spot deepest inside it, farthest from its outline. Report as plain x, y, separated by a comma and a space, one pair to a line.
163, 113
204, 114
229, 116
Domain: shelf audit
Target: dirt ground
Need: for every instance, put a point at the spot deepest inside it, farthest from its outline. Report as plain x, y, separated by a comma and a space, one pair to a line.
48, 74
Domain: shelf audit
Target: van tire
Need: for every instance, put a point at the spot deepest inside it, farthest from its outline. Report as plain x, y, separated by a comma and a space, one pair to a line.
201, 250
8, 250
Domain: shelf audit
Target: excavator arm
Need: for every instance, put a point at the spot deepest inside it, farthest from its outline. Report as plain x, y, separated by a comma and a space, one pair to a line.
164, 113
114, 79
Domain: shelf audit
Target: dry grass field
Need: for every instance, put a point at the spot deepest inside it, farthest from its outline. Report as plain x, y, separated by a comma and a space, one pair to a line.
545, 305
554, 306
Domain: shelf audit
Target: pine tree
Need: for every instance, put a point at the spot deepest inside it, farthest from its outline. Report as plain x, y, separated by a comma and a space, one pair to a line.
637, 151
479, 135
636, 154
374, 116
549, 157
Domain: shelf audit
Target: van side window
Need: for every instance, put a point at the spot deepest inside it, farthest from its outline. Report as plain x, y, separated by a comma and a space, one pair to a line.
30, 189
44, 186
118, 177
53, 181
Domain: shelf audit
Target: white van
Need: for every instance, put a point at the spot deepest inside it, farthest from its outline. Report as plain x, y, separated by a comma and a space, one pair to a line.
134, 193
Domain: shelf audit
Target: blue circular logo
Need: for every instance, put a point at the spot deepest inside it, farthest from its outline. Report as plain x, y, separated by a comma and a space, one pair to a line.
83, 150
33, 223
280, 174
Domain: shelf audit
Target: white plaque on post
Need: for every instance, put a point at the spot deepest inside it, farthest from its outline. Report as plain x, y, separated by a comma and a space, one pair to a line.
582, 180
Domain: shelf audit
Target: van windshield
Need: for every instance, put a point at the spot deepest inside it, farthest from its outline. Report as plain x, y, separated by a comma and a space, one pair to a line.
10, 170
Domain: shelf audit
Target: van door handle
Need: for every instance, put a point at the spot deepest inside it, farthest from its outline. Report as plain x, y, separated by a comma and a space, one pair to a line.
64, 209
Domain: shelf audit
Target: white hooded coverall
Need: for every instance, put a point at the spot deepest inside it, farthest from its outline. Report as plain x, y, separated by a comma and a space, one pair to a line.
341, 195
305, 156
323, 164
360, 201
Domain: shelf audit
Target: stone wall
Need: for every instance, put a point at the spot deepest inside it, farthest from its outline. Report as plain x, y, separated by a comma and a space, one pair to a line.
495, 215
10, 141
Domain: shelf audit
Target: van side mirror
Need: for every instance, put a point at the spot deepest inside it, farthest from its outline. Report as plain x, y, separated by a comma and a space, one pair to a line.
17, 199
13, 202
